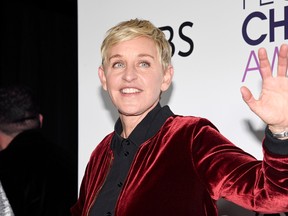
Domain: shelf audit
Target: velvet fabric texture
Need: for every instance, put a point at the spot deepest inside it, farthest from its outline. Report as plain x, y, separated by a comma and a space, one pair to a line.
183, 170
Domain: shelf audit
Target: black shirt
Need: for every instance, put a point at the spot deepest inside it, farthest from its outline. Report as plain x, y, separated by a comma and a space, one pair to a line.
124, 151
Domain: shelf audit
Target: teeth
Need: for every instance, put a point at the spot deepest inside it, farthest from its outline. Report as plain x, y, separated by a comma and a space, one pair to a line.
130, 90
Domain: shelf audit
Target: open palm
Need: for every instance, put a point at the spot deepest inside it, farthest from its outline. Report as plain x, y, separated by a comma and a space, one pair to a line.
272, 105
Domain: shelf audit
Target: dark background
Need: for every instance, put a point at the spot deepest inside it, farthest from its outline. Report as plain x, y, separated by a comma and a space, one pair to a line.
39, 49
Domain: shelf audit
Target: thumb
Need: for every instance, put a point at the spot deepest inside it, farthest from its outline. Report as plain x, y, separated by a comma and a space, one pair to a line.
247, 97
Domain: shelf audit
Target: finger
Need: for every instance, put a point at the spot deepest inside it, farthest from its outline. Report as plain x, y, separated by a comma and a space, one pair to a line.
265, 68
248, 97
283, 60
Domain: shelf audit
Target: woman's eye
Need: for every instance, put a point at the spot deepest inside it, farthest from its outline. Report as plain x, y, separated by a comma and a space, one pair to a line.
118, 65
144, 64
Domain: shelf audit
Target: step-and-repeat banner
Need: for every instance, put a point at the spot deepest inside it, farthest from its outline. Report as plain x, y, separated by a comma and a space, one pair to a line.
215, 47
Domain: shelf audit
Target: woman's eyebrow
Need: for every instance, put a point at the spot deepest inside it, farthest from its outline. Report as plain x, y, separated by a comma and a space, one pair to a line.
146, 55
140, 55
114, 56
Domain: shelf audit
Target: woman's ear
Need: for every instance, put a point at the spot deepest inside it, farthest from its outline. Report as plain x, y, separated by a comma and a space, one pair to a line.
167, 78
102, 77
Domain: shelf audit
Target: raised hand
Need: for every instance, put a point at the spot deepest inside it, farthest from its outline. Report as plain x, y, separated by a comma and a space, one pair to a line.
272, 105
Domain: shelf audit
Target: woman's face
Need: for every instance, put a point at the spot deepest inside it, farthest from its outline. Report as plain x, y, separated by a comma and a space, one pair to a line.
134, 77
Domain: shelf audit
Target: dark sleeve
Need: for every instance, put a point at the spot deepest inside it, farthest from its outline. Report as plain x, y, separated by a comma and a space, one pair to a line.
274, 145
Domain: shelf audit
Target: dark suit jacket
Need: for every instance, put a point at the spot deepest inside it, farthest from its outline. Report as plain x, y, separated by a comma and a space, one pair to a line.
34, 176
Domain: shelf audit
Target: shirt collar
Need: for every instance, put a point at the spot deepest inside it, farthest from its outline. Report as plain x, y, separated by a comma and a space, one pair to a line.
148, 127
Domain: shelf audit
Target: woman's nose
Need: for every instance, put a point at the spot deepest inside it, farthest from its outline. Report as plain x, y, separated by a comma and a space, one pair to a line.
130, 73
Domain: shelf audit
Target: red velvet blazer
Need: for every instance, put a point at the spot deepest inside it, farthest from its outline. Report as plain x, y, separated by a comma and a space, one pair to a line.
183, 170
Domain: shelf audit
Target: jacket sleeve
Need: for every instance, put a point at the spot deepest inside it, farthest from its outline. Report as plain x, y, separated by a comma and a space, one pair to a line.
233, 174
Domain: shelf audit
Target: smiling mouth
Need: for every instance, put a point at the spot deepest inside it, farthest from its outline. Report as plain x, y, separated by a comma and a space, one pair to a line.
130, 90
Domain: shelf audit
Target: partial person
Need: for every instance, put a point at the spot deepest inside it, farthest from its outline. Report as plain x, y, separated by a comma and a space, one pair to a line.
156, 162
33, 171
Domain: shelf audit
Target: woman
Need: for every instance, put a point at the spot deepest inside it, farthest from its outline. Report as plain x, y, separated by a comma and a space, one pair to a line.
158, 163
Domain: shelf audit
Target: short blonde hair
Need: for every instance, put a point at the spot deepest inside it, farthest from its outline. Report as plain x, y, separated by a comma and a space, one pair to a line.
133, 28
